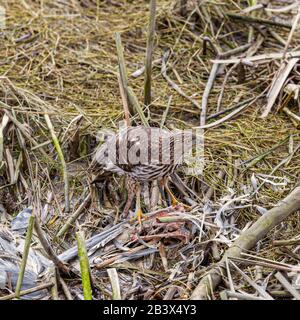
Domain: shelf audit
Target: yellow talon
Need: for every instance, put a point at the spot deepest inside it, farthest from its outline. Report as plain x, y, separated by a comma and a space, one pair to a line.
174, 200
139, 215
138, 209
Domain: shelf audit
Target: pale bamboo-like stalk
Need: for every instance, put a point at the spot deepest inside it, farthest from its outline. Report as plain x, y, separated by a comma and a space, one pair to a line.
115, 283
54, 288
133, 104
149, 52
28, 291
247, 240
134, 101
123, 70
125, 102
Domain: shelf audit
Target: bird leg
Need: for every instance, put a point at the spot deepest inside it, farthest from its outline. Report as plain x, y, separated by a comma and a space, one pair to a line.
174, 200
134, 190
161, 185
164, 183
138, 209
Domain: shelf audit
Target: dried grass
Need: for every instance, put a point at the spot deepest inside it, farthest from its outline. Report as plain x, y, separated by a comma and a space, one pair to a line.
61, 56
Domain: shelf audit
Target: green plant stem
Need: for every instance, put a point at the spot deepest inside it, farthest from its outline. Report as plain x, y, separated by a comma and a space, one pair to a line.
84, 266
62, 160
25, 256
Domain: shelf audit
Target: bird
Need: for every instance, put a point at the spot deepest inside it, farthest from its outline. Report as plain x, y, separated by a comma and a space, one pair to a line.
142, 154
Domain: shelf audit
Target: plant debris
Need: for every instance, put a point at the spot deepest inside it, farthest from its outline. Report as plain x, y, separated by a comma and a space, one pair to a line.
229, 68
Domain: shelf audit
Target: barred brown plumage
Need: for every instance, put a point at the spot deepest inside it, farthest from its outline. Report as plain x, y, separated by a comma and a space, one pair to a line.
142, 154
